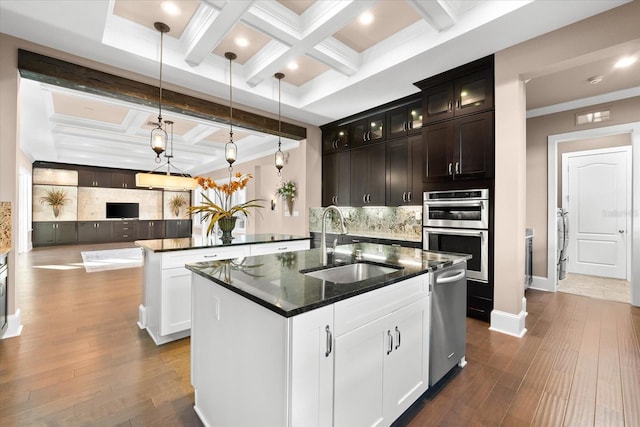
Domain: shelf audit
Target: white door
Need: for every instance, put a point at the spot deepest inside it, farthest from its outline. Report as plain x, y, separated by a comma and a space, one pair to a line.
599, 203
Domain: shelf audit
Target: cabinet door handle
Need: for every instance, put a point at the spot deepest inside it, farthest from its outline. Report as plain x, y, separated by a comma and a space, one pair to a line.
450, 168
398, 338
329, 341
211, 256
404, 126
457, 167
404, 197
284, 248
450, 105
409, 196
390, 342
459, 103
364, 198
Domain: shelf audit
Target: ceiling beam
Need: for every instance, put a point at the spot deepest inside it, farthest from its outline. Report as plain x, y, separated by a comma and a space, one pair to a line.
213, 27
65, 74
436, 13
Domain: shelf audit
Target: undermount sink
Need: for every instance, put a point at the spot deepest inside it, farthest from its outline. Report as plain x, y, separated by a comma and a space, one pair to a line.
351, 273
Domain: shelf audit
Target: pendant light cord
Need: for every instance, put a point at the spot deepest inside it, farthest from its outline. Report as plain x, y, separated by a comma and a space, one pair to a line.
230, 109
160, 99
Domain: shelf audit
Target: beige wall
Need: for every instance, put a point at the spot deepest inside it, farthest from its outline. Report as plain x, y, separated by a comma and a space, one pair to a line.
562, 49
538, 131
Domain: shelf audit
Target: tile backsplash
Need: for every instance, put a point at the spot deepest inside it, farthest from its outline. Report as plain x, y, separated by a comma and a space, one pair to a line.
402, 223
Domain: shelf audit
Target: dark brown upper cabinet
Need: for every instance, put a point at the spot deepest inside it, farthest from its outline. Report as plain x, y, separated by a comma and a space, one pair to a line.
459, 149
368, 130
368, 176
93, 178
123, 180
336, 178
468, 94
336, 138
404, 120
404, 171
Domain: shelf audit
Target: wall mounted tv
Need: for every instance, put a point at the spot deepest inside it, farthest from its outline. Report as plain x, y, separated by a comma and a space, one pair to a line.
123, 210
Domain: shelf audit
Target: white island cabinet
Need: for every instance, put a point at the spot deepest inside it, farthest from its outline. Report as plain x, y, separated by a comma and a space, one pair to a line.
360, 361
252, 367
165, 311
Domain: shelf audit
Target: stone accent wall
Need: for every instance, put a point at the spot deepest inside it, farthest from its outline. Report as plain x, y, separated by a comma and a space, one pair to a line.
401, 223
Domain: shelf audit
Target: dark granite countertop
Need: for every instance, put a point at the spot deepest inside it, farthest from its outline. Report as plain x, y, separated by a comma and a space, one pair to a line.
275, 282
186, 243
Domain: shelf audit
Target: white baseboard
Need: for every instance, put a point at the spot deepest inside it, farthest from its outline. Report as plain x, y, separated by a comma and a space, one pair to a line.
142, 317
14, 325
507, 323
542, 284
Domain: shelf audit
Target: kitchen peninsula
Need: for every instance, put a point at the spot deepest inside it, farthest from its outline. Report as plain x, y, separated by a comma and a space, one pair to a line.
165, 311
281, 335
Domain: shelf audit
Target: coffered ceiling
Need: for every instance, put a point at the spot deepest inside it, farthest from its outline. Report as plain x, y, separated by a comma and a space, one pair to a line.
334, 64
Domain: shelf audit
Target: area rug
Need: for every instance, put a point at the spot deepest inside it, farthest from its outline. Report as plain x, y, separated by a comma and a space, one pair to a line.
112, 259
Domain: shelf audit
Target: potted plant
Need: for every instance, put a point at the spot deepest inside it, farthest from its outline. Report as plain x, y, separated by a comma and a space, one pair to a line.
56, 198
177, 202
287, 191
220, 209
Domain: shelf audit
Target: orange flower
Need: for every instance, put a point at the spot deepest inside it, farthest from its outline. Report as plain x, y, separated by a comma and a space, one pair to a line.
220, 206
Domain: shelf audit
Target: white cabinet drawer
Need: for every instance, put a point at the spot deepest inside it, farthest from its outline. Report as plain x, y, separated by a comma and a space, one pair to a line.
180, 258
273, 248
362, 309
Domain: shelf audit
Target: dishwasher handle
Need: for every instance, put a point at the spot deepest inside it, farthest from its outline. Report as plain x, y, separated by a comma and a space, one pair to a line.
450, 278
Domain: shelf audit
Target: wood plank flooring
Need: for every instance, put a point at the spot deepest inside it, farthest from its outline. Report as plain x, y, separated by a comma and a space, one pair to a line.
82, 360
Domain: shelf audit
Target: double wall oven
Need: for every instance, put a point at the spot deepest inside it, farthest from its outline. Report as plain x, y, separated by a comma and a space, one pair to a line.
458, 221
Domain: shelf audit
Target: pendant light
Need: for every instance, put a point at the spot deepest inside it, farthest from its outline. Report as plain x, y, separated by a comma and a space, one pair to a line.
279, 153
179, 180
230, 150
159, 135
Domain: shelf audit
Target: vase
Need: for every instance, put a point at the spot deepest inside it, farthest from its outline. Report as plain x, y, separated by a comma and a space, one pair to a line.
227, 225
290, 205
56, 210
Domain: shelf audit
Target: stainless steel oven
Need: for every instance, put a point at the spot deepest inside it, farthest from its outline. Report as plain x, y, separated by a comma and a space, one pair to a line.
457, 208
472, 242
458, 221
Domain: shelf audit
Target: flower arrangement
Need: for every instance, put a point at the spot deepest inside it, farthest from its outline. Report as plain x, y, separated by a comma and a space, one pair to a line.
221, 207
287, 190
176, 202
56, 198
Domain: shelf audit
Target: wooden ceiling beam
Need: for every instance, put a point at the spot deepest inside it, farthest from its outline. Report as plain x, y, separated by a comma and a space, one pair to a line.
56, 72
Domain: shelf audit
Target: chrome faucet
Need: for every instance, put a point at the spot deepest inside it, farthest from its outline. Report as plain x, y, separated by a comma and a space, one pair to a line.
323, 242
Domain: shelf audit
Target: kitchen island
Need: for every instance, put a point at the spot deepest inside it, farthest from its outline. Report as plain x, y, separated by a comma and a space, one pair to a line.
165, 311
270, 334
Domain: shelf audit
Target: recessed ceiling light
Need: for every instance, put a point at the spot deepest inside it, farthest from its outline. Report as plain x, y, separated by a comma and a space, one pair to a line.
595, 79
625, 62
366, 18
293, 65
171, 8
242, 42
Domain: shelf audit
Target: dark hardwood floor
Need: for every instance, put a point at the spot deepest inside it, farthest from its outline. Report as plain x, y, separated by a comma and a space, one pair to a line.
82, 360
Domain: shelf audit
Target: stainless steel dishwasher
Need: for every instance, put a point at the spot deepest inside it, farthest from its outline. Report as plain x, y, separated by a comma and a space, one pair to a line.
448, 321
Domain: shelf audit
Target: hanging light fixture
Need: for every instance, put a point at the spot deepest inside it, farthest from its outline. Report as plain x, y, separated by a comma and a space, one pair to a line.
230, 150
159, 141
159, 135
279, 153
